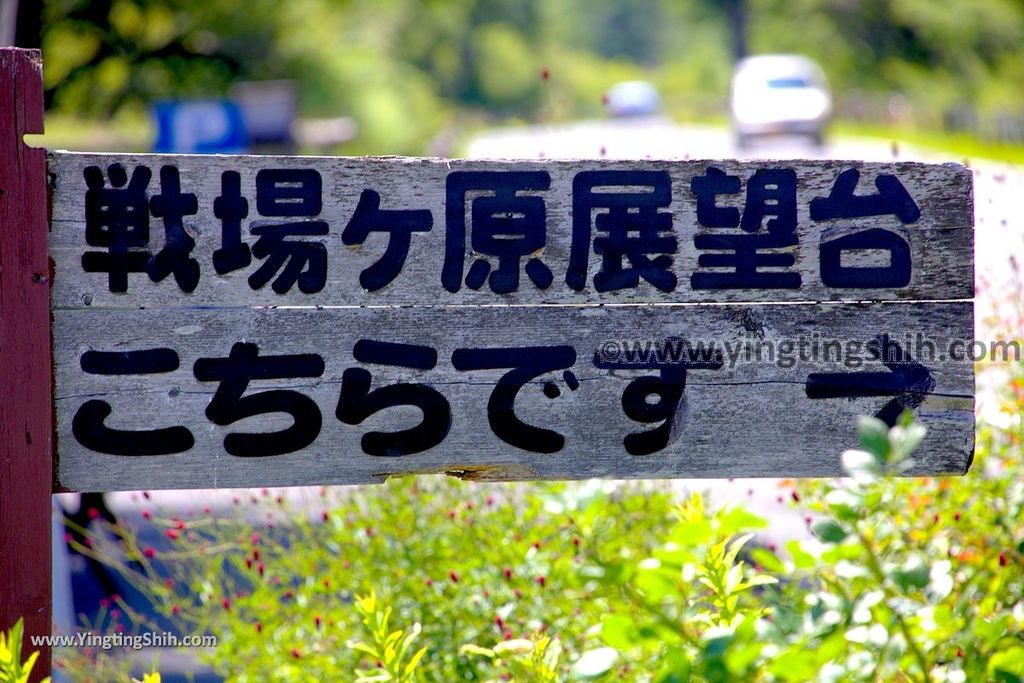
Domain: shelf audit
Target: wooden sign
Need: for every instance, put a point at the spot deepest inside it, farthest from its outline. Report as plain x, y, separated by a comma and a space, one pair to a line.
249, 321
149, 231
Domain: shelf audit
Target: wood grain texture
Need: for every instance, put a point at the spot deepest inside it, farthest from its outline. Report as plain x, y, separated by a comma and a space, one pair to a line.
25, 362
754, 419
941, 240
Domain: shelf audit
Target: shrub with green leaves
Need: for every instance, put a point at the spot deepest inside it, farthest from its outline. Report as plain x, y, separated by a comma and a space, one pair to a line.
899, 579
12, 669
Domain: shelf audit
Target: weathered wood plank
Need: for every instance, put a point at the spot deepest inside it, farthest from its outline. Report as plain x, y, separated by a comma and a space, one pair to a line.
26, 423
934, 220
741, 419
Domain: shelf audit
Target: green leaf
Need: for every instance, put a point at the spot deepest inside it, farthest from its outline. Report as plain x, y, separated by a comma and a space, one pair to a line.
472, 649
735, 547
620, 632
675, 667
368, 649
874, 437
801, 558
519, 646
913, 574
1008, 665
414, 661
906, 439
768, 560
861, 465
736, 519
797, 664
844, 504
828, 531
595, 663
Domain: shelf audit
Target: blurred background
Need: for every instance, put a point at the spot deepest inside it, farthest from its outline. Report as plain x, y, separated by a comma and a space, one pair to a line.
426, 76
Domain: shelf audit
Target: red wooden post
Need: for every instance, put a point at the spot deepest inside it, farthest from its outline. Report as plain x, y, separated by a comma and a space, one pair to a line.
26, 394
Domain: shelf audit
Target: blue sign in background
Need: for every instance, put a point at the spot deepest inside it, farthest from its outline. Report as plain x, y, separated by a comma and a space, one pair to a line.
200, 127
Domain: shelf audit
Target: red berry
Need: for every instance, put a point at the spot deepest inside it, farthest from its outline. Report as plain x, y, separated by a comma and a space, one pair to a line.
94, 513
453, 576
149, 552
226, 603
545, 74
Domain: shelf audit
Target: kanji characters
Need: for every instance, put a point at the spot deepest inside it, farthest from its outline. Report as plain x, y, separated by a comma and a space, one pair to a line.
770, 193
891, 199
289, 193
231, 207
172, 205
630, 228
503, 224
117, 219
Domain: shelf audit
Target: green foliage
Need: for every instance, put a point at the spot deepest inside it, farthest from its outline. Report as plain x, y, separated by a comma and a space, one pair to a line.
523, 660
389, 649
907, 579
12, 669
408, 70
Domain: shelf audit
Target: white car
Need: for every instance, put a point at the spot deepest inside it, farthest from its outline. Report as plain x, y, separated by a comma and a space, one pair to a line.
779, 95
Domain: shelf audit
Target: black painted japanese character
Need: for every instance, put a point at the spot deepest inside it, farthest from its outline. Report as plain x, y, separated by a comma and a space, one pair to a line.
229, 405
771, 193
503, 224
172, 206
88, 425
398, 224
630, 228
891, 199
358, 402
525, 364
667, 386
231, 207
289, 193
117, 219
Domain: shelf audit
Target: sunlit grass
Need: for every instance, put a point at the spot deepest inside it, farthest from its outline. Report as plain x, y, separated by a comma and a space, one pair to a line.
958, 144
128, 132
